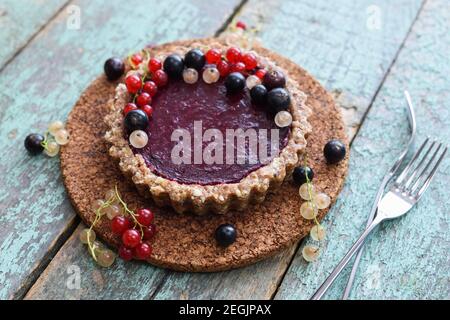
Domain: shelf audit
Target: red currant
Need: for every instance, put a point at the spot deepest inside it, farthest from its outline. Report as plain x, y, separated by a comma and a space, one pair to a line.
130, 106
149, 232
224, 68
250, 61
150, 87
136, 59
125, 253
144, 216
133, 83
213, 56
233, 55
261, 73
241, 25
143, 99
160, 78
120, 224
131, 238
238, 67
143, 251
154, 64
148, 110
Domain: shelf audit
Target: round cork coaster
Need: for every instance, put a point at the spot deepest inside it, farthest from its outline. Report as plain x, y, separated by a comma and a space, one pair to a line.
186, 242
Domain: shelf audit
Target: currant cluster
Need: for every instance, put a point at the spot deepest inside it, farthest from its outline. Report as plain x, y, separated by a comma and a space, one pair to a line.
314, 201
55, 136
136, 229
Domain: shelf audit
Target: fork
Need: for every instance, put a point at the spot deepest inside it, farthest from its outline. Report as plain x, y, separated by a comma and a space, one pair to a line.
404, 193
386, 179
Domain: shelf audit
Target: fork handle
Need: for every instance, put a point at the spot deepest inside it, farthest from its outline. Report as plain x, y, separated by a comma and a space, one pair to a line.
338, 269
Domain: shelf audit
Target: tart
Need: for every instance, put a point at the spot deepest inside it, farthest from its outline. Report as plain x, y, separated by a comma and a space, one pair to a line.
179, 104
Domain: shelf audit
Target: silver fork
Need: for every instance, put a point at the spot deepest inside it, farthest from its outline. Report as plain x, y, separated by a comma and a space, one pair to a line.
386, 179
405, 192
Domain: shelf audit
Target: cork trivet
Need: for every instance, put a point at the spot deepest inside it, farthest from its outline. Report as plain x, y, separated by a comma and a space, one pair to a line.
186, 242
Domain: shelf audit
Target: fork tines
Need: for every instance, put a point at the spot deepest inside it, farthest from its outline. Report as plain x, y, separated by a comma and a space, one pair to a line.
417, 175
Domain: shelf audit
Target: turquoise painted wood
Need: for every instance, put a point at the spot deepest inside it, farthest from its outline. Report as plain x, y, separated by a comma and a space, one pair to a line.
41, 84
407, 258
16, 31
331, 41
262, 279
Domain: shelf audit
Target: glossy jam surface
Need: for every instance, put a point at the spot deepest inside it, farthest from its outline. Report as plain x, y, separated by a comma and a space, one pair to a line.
178, 106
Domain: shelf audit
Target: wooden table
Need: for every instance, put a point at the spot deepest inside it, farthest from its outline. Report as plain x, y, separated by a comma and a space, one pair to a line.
366, 52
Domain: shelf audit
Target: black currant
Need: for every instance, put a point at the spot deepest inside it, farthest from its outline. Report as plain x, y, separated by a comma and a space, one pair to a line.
278, 99
195, 59
334, 151
234, 82
173, 66
33, 143
136, 120
226, 234
300, 173
259, 94
274, 79
114, 68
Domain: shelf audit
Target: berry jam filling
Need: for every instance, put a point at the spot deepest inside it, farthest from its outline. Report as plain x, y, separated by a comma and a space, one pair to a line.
178, 105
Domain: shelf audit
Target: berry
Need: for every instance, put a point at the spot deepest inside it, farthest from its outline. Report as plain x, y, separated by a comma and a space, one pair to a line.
310, 253
173, 66
195, 59
283, 119
144, 217
238, 67
317, 233
120, 224
252, 81
160, 78
278, 100
143, 251
114, 68
125, 253
136, 120
143, 99
261, 73
138, 139
154, 64
55, 126
149, 232
234, 82
259, 94
33, 143
213, 56
106, 258
308, 210
128, 107
136, 59
274, 79
224, 68
250, 61
241, 25
233, 55
334, 151
131, 238
148, 110
190, 75
322, 200
85, 233
211, 75
133, 83
226, 234
307, 192
300, 173
62, 137
52, 149
113, 211
150, 87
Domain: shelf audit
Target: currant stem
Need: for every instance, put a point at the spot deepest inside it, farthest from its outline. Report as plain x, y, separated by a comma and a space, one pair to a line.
130, 212
98, 216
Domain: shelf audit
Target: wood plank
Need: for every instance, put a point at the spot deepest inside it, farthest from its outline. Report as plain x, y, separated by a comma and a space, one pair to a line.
17, 31
260, 280
407, 258
329, 39
40, 85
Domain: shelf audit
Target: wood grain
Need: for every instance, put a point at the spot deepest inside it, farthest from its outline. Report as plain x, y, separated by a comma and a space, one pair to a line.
41, 84
330, 40
16, 31
316, 35
407, 258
